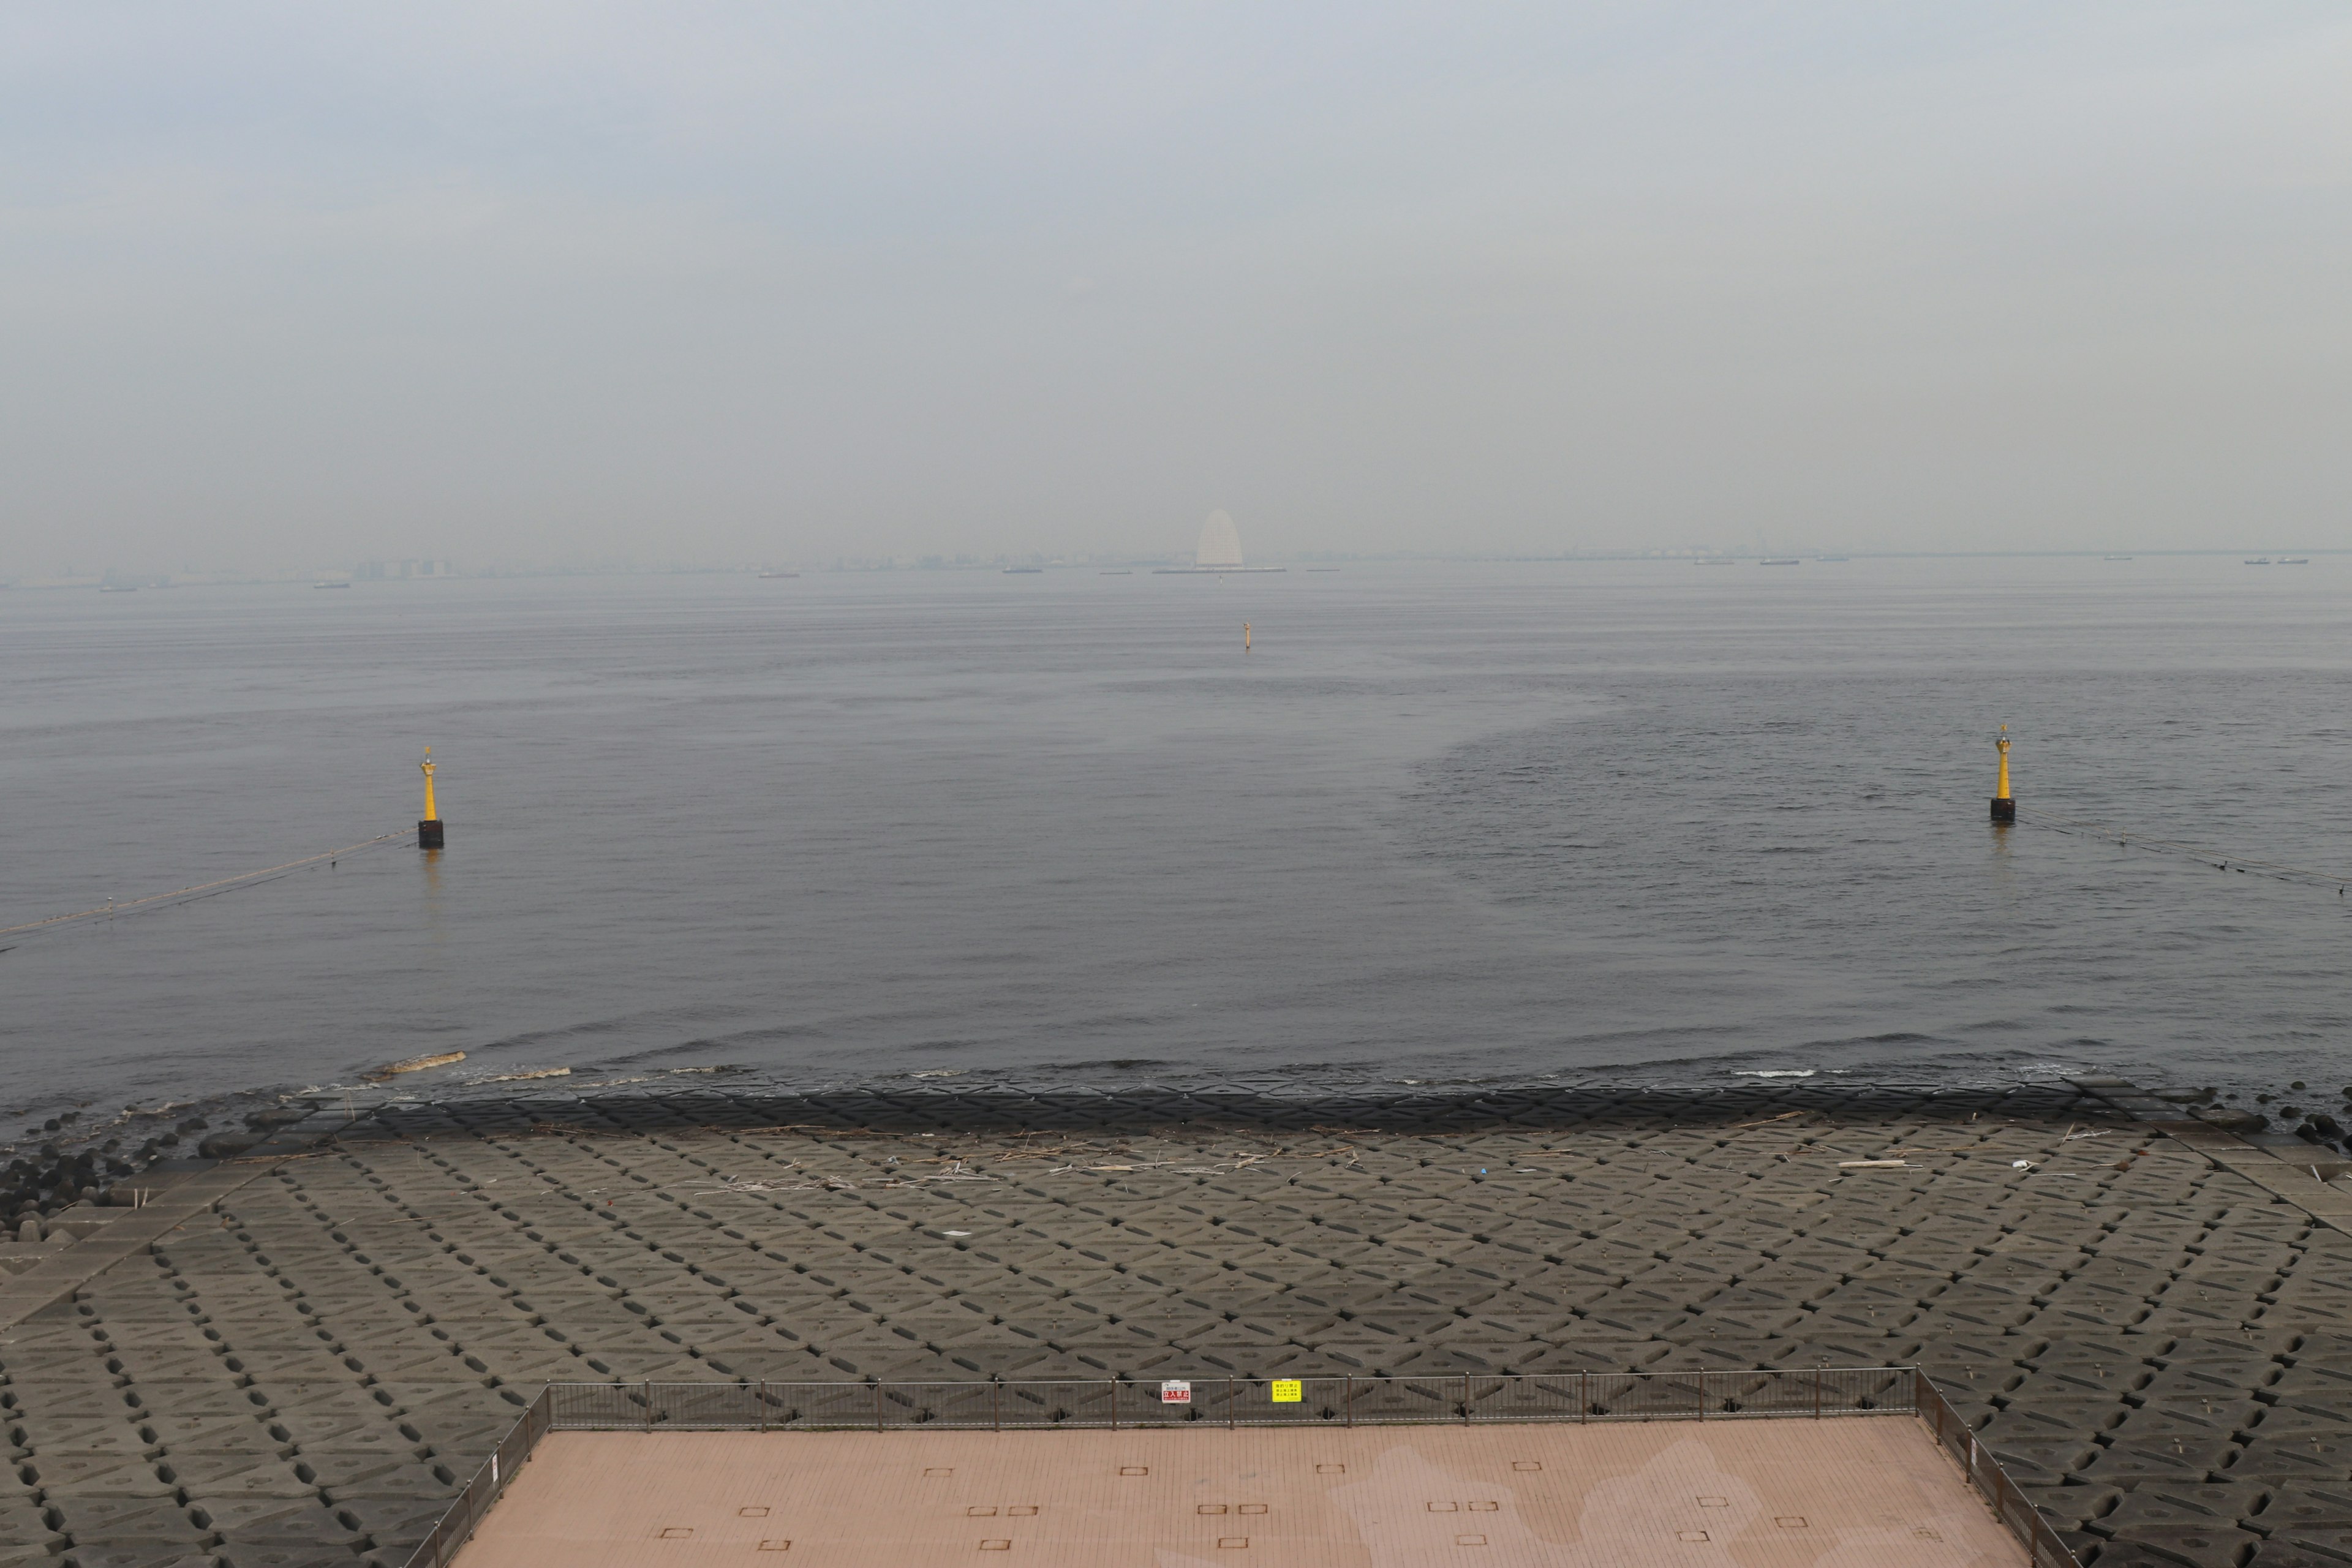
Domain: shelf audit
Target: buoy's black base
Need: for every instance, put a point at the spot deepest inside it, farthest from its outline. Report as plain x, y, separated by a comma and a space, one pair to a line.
428, 834
2004, 810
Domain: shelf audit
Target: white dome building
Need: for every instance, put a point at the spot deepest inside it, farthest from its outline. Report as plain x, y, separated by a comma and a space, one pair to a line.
1218, 554
1221, 544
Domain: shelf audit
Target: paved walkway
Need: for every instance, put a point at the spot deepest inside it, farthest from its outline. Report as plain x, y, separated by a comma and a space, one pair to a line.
1854, 1492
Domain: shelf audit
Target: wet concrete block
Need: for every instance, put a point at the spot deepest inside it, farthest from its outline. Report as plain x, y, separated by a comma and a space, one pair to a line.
265, 1516
93, 1476
398, 1361
85, 1435
2320, 1458
1620, 1322
2313, 1383
2079, 1382
2272, 1420
2215, 1545
134, 1553
385, 1395
2303, 1505
1974, 1320
270, 1477
168, 1329
2041, 1462
417, 1482
2179, 1461
309, 1523
390, 1519
2284, 1552
2319, 1311
2075, 1425
2320, 1349
1448, 1360
451, 1440
2168, 1419
18, 1549
180, 1433
2220, 1355
1595, 1357
316, 1400
192, 1364
2073, 1507
2077, 1316
347, 1472
1264, 1361
273, 1553
1750, 1324
2173, 1322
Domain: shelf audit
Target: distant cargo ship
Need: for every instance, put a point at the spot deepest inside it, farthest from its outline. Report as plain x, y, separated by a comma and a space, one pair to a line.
331, 584
770, 576
1019, 570
1780, 560
2258, 561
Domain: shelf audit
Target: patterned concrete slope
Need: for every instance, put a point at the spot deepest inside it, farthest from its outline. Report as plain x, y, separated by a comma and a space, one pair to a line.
2147, 1336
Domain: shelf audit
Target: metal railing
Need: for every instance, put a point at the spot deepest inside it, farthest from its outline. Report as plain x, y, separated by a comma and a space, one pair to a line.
2016, 1511
1115, 1404
457, 1527
1582, 1397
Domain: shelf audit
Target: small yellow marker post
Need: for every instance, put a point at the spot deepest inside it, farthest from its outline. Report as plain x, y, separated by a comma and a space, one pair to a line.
1246, 637
2004, 809
428, 829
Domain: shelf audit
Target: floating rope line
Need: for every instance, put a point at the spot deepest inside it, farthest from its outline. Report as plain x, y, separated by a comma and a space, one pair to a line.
113, 908
2195, 851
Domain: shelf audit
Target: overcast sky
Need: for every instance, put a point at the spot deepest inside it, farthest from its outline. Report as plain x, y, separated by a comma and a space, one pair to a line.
303, 283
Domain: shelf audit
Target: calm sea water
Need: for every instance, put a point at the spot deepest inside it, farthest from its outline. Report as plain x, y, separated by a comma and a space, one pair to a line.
1623, 820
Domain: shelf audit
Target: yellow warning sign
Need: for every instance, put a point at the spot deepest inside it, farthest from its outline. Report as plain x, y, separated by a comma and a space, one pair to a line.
1287, 1391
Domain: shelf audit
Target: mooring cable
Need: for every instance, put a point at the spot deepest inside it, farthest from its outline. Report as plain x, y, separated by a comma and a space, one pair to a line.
113, 908
2215, 857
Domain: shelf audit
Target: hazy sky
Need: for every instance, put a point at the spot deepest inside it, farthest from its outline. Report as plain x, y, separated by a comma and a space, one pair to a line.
297, 283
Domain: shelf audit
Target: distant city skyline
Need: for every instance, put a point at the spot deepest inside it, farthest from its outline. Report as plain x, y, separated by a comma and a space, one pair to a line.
286, 287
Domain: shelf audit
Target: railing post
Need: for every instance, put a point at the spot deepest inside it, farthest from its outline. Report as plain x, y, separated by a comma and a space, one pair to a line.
1466, 1399
996, 1405
1229, 1404
1583, 1398
761, 1393
1348, 1397
649, 1405
1114, 1405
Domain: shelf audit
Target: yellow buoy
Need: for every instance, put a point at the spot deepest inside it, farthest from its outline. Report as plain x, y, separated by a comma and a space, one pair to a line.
2004, 809
428, 828
1246, 637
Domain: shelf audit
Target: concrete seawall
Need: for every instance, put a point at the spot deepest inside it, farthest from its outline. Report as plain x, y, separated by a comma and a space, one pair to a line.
297, 1357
